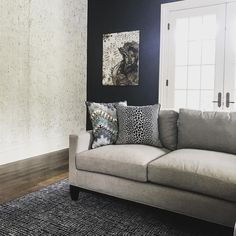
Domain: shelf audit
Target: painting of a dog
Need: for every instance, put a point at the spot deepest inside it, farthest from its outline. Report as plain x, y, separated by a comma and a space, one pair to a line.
121, 59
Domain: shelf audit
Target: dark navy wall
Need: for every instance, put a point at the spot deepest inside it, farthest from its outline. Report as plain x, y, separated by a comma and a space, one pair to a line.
110, 16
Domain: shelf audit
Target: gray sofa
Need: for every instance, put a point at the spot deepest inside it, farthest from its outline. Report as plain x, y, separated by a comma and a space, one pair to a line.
192, 174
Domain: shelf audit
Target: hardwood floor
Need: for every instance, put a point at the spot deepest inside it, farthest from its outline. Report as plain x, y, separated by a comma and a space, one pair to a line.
22, 177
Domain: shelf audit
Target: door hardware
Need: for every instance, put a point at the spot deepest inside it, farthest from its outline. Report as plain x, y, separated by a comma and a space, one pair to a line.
228, 102
219, 99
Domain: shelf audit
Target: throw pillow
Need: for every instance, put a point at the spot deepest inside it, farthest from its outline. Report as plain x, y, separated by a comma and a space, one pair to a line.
138, 125
104, 121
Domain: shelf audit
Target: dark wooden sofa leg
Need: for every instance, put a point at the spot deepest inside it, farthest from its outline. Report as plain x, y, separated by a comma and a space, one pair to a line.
74, 192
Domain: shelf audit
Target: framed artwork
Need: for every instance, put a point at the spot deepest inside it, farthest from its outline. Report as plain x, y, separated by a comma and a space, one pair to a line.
121, 59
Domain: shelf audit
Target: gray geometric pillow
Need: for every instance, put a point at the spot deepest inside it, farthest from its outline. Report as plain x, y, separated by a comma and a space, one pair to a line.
104, 121
138, 125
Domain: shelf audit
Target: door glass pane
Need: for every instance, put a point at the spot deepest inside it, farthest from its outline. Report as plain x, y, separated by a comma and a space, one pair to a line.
209, 27
181, 38
193, 99
208, 77
208, 51
195, 28
180, 99
194, 56
181, 76
182, 30
195, 48
206, 100
194, 77
182, 54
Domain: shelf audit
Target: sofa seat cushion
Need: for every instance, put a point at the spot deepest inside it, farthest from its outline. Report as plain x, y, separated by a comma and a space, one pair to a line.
126, 161
206, 172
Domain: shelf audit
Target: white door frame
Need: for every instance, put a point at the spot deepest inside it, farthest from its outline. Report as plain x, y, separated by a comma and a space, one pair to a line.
166, 8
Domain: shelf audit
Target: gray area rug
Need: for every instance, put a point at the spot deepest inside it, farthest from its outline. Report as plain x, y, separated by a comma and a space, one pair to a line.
50, 211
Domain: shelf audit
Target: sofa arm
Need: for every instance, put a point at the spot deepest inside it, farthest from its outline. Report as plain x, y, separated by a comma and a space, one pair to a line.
78, 143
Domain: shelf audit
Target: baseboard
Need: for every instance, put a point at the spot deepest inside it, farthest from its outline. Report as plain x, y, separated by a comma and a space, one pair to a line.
61, 156
29, 175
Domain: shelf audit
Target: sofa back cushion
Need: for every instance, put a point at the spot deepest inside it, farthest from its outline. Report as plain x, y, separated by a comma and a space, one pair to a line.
214, 131
168, 128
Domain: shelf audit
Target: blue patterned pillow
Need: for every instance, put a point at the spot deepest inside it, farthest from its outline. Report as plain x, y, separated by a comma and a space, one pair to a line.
104, 121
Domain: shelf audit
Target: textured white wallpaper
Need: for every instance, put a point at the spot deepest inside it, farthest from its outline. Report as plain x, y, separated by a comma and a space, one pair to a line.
43, 54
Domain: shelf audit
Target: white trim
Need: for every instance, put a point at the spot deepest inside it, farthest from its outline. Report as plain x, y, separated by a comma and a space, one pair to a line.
235, 229
163, 40
186, 4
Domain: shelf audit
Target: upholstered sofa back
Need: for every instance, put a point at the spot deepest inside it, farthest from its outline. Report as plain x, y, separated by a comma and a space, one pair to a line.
215, 131
168, 129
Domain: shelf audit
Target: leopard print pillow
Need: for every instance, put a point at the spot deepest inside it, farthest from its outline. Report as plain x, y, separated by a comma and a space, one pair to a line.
138, 125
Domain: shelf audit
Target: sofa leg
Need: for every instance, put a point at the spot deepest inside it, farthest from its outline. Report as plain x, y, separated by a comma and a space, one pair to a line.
74, 192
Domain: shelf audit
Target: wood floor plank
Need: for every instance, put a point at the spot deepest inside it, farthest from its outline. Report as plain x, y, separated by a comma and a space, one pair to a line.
26, 176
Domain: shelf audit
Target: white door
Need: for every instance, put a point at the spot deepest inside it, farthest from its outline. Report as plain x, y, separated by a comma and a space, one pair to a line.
230, 59
196, 42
